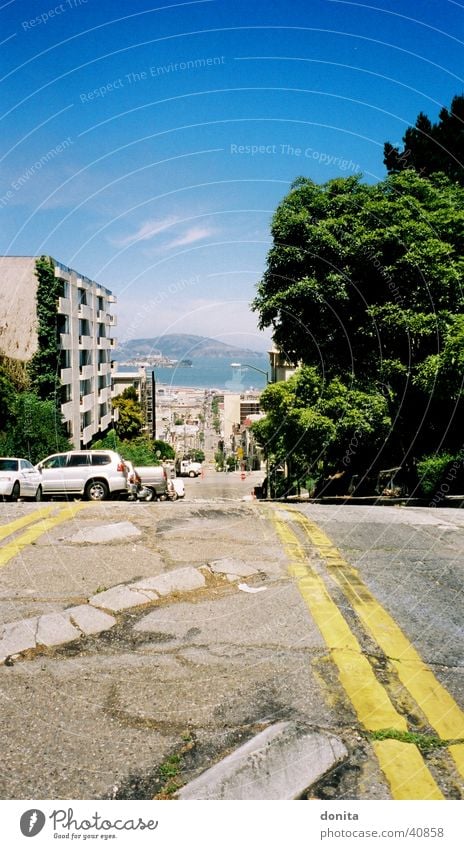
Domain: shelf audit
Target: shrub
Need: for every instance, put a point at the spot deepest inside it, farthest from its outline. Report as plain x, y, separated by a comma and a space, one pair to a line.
432, 471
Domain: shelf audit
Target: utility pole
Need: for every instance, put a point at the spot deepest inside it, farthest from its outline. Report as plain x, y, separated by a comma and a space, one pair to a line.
153, 404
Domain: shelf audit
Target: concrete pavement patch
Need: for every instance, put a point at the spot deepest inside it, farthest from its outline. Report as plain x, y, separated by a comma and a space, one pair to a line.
179, 580
18, 636
55, 629
279, 763
106, 533
229, 566
89, 619
121, 597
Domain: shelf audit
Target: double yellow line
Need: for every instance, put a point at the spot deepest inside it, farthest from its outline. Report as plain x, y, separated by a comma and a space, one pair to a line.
42, 521
401, 762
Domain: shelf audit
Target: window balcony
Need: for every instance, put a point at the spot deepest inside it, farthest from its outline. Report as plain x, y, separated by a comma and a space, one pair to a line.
105, 421
86, 342
104, 342
85, 311
86, 403
86, 372
66, 376
104, 394
65, 341
64, 306
87, 433
67, 410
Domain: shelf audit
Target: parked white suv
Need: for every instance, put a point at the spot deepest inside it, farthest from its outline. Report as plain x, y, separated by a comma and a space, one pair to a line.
93, 474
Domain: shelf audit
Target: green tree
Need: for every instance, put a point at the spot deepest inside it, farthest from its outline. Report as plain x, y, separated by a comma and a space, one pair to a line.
8, 396
138, 450
131, 420
363, 283
36, 431
165, 449
429, 148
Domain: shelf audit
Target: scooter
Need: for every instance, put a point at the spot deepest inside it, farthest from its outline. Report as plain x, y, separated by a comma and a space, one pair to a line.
138, 492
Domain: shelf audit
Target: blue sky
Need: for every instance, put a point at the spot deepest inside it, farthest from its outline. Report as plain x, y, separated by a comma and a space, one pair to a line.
149, 149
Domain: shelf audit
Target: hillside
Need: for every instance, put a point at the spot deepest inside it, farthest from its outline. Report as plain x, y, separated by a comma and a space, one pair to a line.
179, 346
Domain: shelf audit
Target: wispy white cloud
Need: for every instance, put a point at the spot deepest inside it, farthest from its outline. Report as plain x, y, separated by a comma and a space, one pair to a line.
146, 231
192, 235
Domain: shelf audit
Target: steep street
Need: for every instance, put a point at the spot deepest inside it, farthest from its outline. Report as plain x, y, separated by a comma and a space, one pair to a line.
344, 620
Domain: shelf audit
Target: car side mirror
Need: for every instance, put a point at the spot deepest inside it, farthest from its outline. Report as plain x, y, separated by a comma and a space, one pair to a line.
39, 467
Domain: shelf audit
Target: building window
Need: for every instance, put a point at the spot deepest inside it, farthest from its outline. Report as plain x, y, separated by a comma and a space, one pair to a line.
86, 419
63, 288
63, 324
65, 359
66, 393
85, 358
85, 387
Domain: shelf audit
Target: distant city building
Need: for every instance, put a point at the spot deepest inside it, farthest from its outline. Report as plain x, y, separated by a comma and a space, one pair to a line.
281, 367
235, 409
84, 331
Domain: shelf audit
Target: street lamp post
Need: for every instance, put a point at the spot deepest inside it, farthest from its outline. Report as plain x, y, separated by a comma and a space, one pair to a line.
153, 394
266, 375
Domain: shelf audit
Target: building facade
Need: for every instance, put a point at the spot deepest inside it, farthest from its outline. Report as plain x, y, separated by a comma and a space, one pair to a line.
85, 341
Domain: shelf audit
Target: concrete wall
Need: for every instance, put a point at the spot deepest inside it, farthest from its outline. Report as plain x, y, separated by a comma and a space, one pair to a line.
18, 315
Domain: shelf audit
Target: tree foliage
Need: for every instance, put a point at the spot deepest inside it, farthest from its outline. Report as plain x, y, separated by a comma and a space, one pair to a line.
44, 365
36, 429
139, 450
363, 284
429, 148
131, 420
166, 451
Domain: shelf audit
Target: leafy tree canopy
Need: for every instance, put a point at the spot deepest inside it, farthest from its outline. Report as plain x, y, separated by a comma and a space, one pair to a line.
131, 420
36, 429
166, 451
429, 148
139, 450
363, 283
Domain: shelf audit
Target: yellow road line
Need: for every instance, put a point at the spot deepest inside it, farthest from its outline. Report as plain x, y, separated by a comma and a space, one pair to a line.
15, 546
401, 763
440, 709
17, 524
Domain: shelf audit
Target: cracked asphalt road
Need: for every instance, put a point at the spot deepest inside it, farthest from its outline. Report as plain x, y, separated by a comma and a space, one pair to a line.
198, 673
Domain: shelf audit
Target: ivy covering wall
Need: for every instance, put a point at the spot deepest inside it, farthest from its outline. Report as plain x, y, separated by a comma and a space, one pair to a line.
44, 367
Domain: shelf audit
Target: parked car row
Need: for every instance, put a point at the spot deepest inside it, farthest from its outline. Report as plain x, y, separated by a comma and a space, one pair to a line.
94, 475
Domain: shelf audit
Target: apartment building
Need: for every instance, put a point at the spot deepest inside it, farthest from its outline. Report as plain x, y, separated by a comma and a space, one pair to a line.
85, 324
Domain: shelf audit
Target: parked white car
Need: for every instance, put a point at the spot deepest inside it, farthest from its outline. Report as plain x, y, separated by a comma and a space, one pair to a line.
96, 475
19, 479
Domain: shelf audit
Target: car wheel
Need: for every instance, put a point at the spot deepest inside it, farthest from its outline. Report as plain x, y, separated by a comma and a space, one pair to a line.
151, 494
15, 492
96, 491
191, 474
39, 494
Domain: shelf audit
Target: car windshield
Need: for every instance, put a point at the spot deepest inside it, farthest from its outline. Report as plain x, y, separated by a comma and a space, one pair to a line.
7, 465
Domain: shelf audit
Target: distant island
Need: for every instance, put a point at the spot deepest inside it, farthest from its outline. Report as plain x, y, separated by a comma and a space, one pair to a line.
178, 349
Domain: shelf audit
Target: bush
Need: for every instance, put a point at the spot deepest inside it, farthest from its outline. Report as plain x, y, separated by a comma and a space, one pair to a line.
433, 470
139, 450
